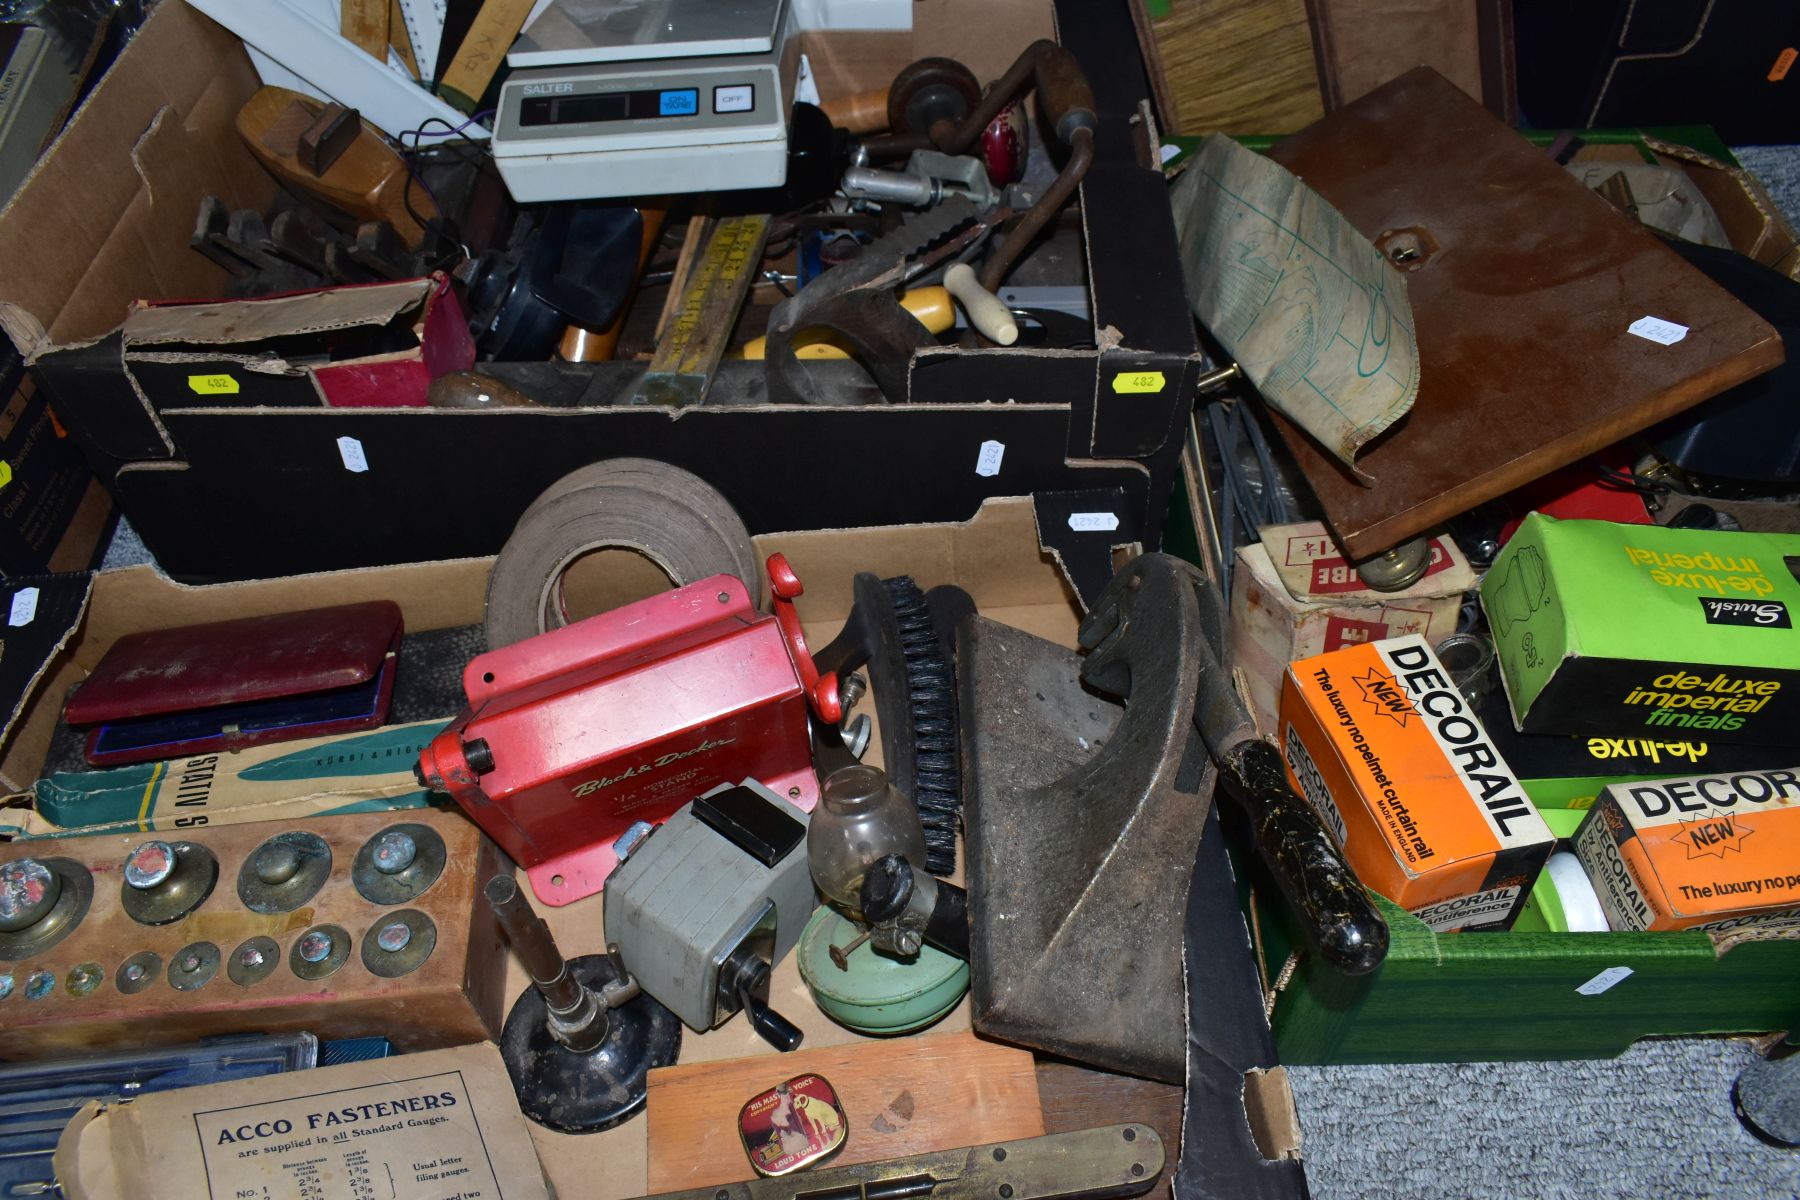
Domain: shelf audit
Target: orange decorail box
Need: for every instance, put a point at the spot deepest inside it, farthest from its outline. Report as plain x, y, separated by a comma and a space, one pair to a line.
1377, 737
1706, 851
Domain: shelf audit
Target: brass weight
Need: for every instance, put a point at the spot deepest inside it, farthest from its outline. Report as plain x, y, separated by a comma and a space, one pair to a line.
42, 900
193, 966
320, 951
399, 943
139, 972
284, 872
165, 881
398, 864
253, 961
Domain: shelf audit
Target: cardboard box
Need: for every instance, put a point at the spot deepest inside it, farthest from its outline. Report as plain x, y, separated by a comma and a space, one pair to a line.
1642, 630
53, 513
1380, 741
1562, 772
442, 1125
1752, 220
361, 346
995, 557
207, 482
1506, 996
1293, 595
283, 781
1702, 852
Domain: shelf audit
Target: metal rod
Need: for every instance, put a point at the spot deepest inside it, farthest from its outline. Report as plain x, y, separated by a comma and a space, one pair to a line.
1040, 214
532, 942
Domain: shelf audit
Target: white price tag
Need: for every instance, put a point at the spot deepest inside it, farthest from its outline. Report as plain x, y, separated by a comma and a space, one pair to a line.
1166, 152
1093, 522
1604, 980
24, 606
987, 463
351, 451
1655, 329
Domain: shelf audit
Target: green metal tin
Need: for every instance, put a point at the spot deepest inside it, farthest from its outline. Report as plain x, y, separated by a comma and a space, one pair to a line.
877, 995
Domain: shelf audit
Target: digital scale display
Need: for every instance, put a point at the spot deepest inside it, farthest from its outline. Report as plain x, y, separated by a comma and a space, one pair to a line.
538, 111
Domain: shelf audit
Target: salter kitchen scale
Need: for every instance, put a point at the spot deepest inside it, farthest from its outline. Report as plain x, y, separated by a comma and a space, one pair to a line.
645, 97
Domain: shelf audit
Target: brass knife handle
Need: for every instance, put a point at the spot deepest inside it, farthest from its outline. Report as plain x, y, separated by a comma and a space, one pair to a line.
1103, 1163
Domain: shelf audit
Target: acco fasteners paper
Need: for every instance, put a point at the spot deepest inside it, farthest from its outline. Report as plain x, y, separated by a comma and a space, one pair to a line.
442, 1125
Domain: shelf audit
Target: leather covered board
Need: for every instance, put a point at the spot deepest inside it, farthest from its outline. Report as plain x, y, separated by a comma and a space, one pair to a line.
900, 1096
238, 662
1522, 291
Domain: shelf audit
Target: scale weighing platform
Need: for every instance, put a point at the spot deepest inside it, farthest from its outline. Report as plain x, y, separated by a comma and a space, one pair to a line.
613, 98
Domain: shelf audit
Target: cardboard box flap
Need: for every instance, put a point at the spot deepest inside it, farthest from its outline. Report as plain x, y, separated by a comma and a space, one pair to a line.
92, 238
1313, 569
85, 1166
42, 614
237, 322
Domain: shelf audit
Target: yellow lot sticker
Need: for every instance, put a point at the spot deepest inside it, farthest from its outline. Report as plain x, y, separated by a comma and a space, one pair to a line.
213, 385
1127, 382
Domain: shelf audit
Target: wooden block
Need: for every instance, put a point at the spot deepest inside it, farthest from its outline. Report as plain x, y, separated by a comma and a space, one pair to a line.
367, 182
1231, 66
453, 998
365, 22
901, 1097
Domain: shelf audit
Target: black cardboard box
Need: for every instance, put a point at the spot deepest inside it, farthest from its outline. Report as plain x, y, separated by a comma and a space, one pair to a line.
245, 491
53, 512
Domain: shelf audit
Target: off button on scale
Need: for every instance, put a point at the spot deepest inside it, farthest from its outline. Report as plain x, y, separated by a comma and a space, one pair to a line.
734, 98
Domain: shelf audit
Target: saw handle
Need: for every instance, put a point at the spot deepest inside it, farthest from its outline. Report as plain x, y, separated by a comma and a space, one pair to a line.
1339, 920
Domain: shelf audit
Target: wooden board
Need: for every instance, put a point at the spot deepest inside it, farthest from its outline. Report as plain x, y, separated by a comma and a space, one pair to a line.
1521, 304
1233, 66
901, 1097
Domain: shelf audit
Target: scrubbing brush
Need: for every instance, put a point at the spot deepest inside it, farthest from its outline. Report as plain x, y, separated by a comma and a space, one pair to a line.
892, 632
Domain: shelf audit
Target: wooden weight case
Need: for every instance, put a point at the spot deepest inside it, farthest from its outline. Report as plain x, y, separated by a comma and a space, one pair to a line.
80, 969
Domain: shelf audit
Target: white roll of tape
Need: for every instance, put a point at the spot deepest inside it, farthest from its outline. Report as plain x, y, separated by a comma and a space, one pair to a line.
1580, 904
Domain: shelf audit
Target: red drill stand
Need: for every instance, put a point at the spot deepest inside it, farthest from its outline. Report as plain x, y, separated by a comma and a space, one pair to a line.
573, 735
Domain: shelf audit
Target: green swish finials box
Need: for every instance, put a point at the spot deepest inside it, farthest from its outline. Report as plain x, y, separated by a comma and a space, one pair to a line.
1603, 628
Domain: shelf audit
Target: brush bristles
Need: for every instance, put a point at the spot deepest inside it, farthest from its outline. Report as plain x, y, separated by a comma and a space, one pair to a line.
931, 687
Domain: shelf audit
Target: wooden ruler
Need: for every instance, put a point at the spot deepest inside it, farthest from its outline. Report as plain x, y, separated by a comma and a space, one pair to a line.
400, 39
690, 348
424, 22
482, 51
365, 22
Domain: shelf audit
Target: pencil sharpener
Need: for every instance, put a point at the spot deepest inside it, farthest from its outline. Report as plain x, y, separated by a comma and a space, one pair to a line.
705, 906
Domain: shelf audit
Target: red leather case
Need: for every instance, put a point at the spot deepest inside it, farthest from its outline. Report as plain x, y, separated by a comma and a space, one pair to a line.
232, 684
